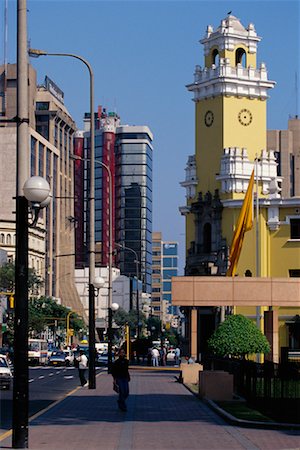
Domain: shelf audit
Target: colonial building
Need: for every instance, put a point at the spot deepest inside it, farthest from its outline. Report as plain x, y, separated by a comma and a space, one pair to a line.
230, 94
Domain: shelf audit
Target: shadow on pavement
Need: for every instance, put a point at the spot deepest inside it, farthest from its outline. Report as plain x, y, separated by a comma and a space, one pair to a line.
145, 408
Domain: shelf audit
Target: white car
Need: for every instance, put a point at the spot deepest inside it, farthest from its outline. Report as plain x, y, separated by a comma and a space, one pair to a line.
171, 355
69, 357
6, 372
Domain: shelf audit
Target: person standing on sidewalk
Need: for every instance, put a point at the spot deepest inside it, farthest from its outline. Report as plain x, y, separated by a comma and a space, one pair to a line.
121, 378
82, 366
155, 356
177, 356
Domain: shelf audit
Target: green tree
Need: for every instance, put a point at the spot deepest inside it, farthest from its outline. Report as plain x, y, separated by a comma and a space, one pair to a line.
238, 336
47, 310
122, 317
43, 312
7, 279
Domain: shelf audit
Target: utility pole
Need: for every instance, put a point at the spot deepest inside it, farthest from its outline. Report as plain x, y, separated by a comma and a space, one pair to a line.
21, 372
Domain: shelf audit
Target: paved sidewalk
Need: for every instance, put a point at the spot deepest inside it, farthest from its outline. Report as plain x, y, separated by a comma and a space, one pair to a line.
162, 414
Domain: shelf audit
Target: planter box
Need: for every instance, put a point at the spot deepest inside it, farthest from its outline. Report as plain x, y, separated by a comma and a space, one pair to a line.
190, 373
216, 385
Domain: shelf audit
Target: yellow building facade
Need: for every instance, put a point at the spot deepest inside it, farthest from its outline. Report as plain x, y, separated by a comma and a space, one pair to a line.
230, 95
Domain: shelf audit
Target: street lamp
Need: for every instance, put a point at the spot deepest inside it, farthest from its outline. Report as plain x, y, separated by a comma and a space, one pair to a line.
92, 374
36, 192
122, 246
110, 262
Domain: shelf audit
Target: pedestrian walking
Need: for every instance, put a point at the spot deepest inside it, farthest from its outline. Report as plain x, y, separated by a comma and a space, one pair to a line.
163, 356
121, 378
82, 366
155, 356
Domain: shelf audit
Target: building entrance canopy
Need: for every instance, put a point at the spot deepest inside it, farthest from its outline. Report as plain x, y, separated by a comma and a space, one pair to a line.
235, 291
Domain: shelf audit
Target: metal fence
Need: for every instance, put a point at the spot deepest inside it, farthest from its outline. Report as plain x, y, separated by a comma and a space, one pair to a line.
272, 388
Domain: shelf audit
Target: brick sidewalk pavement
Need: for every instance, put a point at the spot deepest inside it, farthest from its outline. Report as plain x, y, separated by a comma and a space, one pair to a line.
162, 414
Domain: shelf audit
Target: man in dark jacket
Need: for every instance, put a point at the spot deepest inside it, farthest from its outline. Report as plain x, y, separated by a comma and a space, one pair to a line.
121, 378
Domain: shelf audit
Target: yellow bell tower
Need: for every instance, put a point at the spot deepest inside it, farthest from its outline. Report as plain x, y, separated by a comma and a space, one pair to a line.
230, 95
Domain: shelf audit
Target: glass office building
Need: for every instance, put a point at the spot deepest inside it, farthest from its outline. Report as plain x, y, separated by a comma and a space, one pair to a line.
133, 200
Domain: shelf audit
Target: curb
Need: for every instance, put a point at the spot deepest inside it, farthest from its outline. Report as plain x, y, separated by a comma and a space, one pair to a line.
157, 369
241, 422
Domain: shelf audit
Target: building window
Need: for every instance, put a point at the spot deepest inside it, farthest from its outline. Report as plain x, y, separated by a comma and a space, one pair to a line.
240, 57
2, 238
8, 239
292, 175
215, 57
295, 228
42, 106
294, 273
278, 161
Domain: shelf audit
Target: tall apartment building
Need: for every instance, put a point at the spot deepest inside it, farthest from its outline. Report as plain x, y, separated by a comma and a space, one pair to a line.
127, 151
164, 267
51, 129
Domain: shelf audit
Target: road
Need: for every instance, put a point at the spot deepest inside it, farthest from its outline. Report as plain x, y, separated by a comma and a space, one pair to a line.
46, 385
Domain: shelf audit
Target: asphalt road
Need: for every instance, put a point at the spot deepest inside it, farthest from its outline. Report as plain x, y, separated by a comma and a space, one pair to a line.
46, 385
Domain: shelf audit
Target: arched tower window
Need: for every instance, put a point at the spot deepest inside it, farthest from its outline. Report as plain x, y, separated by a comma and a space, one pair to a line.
240, 57
8, 239
215, 57
207, 238
2, 238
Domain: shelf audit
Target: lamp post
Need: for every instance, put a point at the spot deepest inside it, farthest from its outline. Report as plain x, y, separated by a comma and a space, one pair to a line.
92, 374
137, 284
36, 191
110, 247
112, 308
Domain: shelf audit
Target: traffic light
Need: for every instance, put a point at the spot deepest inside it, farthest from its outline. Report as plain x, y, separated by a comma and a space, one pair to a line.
71, 332
11, 300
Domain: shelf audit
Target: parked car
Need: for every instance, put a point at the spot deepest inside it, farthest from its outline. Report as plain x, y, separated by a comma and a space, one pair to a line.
69, 357
6, 372
102, 358
57, 358
171, 355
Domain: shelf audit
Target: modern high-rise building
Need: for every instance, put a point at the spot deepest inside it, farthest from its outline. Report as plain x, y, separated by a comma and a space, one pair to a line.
127, 152
51, 129
105, 132
133, 153
164, 267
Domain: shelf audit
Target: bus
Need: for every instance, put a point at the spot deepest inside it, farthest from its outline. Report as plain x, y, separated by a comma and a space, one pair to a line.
37, 351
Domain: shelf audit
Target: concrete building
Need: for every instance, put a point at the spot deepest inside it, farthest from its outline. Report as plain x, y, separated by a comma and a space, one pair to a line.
51, 128
286, 146
121, 294
230, 95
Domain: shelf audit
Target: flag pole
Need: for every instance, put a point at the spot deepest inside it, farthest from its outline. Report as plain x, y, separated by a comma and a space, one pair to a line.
257, 242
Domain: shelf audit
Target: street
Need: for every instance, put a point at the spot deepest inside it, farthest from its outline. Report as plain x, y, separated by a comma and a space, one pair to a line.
46, 385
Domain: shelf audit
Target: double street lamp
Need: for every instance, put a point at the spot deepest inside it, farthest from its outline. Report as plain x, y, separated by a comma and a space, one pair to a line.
92, 354
110, 250
137, 262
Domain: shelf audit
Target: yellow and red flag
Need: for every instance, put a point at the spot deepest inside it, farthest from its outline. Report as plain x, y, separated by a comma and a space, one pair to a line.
244, 223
